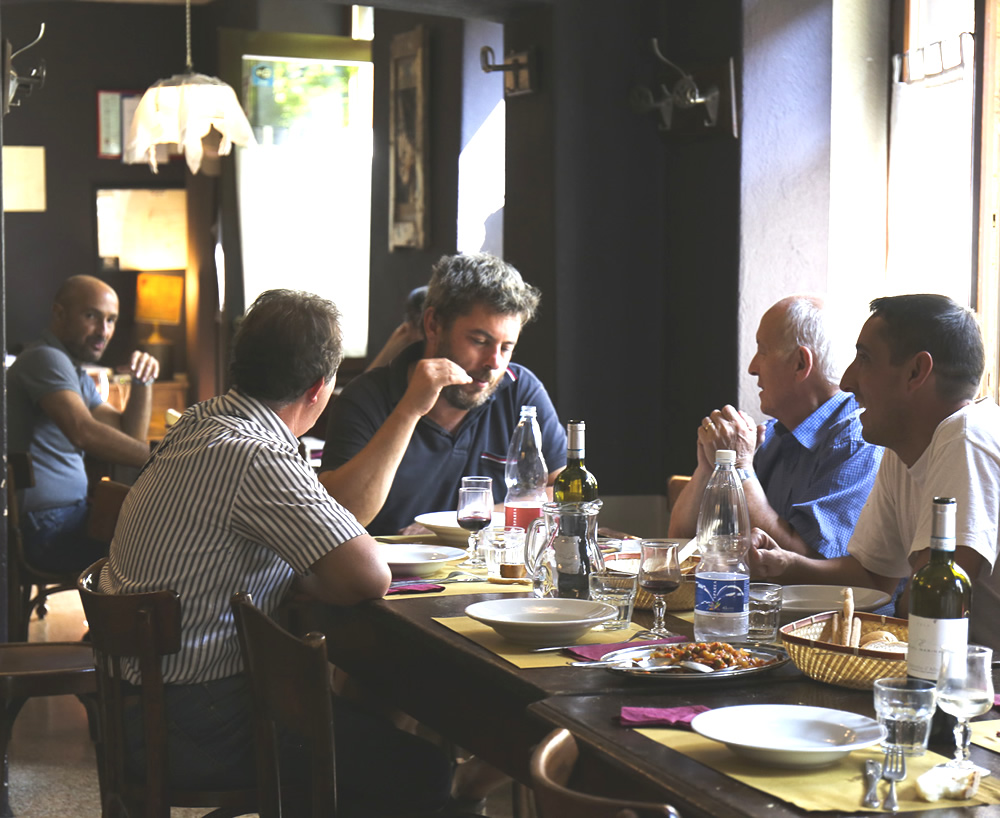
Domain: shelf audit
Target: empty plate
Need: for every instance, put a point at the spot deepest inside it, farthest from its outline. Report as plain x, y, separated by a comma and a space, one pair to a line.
415, 560
541, 621
445, 525
799, 601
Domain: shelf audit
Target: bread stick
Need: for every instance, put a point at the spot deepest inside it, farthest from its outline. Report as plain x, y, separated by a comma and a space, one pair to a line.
856, 633
848, 615
835, 629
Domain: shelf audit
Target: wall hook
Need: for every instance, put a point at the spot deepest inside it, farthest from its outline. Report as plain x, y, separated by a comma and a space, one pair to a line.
12, 82
518, 68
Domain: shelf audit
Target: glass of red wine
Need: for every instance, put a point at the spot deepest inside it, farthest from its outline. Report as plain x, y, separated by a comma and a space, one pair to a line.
475, 514
659, 574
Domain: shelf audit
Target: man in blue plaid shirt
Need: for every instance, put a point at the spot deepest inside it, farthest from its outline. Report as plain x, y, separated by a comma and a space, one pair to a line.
808, 472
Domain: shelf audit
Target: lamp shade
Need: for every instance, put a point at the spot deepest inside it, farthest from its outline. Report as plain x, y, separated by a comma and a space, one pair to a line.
159, 298
181, 111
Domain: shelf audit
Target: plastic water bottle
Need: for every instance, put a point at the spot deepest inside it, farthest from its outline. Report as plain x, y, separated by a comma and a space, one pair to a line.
722, 579
525, 473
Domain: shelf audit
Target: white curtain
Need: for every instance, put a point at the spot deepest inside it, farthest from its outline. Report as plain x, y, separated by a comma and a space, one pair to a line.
930, 171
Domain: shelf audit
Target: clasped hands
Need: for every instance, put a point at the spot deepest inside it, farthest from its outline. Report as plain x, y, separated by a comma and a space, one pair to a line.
728, 428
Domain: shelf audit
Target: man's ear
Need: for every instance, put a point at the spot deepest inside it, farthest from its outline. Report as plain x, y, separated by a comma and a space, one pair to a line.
919, 369
313, 392
804, 362
432, 326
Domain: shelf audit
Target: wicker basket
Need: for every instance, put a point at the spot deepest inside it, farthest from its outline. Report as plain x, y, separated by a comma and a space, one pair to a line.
856, 668
680, 600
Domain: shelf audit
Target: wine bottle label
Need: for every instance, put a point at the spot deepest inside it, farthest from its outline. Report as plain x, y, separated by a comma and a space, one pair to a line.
721, 593
927, 637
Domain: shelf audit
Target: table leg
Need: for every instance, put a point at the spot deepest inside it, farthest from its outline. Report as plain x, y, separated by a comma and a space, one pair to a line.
9, 713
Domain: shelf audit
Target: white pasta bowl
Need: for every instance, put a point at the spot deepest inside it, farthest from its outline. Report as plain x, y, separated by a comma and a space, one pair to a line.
416, 560
541, 621
445, 525
788, 735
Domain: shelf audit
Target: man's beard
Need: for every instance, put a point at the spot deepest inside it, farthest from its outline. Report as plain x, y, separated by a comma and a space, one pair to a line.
460, 399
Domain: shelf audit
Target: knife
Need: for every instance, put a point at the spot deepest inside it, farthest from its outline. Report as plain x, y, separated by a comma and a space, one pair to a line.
873, 774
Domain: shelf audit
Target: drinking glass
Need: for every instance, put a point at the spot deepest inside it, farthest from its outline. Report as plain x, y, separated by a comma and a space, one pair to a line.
475, 513
476, 482
964, 690
659, 574
904, 707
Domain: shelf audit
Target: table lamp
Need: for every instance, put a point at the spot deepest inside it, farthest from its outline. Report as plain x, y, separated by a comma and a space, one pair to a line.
159, 299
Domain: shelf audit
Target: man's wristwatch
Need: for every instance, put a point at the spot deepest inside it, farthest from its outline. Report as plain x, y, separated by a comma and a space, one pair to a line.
745, 474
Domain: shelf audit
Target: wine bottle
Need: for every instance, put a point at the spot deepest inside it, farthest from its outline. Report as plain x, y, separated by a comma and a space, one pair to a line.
575, 484
940, 598
940, 603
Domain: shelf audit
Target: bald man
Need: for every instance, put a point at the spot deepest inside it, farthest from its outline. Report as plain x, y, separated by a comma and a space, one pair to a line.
57, 415
807, 473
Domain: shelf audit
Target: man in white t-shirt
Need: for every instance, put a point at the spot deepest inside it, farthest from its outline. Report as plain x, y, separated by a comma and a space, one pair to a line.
919, 363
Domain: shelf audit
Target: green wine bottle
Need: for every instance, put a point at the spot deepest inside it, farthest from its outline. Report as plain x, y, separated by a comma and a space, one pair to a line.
575, 484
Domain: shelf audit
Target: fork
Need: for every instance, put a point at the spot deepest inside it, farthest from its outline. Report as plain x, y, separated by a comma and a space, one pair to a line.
893, 770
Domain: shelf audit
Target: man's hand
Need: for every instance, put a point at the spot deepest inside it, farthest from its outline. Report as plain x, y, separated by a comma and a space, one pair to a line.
430, 376
728, 428
144, 368
766, 559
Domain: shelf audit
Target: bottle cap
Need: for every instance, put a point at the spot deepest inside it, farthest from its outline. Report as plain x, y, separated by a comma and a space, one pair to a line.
725, 457
528, 411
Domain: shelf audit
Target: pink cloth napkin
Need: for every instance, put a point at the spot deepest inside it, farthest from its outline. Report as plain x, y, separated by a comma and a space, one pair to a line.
661, 716
996, 700
418, 586
595, 652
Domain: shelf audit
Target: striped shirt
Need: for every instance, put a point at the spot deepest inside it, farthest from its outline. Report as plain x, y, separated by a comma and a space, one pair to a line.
225, 503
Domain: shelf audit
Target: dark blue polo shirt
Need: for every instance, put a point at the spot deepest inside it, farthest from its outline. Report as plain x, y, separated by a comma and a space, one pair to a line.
435, 462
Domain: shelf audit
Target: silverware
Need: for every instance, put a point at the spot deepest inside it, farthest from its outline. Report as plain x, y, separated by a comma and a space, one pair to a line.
454, 576
873, 774
893, 770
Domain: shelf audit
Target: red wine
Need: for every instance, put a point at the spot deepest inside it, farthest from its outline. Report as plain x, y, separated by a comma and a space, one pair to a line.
475, 523
659, 586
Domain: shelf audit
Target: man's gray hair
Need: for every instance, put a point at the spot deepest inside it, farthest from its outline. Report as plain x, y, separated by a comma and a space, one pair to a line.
461, 283
805, 326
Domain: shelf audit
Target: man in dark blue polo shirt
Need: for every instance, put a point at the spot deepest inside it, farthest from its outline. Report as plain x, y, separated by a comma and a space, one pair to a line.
401, 437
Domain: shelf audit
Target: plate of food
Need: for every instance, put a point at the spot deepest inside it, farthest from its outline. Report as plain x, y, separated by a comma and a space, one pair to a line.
445, 525
539, 622
788, 735
798, 601
416, 560
723, 660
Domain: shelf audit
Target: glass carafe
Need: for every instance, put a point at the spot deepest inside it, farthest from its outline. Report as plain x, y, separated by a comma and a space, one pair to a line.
561, 549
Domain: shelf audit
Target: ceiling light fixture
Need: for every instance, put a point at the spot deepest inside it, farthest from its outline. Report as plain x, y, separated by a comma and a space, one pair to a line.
182, 111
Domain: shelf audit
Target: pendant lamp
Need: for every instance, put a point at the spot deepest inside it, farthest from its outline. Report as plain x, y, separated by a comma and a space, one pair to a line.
181, 111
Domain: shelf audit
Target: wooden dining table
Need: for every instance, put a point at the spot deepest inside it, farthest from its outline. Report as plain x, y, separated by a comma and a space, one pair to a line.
396, 650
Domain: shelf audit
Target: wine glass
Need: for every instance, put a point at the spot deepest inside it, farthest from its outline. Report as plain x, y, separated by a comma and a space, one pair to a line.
964, 690
659, 574
475, 513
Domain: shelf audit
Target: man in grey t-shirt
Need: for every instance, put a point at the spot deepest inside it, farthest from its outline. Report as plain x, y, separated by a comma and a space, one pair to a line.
57, 415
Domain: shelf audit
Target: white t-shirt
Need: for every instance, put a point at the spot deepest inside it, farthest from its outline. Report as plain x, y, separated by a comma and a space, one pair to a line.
962, 461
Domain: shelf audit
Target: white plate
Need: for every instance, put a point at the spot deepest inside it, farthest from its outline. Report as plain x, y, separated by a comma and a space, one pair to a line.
799, 601
416, 560
788, 735
445, 525
541, 621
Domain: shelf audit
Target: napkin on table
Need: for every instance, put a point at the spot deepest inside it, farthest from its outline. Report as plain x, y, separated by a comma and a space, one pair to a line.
595, 652
661, 716
417, 586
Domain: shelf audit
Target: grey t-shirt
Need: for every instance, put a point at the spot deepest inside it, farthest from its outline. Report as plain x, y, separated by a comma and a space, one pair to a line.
44, 368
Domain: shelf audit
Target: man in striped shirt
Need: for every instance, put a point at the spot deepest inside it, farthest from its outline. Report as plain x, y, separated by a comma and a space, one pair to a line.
226, 503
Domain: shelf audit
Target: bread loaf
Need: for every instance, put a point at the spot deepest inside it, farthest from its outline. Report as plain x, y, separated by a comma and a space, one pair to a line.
946, 782
877, 636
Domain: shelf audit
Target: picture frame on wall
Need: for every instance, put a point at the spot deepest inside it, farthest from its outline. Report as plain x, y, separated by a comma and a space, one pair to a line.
114, 118
408, 142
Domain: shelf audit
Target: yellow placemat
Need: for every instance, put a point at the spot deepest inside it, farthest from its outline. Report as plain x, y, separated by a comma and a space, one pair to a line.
839, 787
984, 734
521, 655
460, 588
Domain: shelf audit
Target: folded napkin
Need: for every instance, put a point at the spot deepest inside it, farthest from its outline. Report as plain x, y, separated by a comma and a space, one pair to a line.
996, 700
661, 716
595, 652
417, 586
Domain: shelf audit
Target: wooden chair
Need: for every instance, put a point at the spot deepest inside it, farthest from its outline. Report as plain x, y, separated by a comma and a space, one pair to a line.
675, 485
28, 588
552, 765
145, 627
290, 686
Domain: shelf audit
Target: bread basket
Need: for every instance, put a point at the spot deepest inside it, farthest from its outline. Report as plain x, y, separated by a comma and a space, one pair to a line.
857, 668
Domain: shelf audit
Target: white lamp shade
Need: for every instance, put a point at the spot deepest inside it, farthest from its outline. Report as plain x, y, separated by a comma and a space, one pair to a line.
182, 110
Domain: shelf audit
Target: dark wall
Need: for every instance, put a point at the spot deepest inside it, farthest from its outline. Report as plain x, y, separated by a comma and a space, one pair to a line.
87, 47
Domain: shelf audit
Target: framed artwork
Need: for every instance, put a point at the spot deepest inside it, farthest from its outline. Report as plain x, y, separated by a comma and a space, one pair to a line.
114, 118
408, 148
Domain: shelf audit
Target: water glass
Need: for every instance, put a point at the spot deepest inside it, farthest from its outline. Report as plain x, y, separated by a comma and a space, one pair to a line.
765, 611
505, 555
905, 708
476, 482
617, 590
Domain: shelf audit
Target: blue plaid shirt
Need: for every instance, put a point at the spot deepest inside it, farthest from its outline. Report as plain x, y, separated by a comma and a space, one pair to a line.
818, 476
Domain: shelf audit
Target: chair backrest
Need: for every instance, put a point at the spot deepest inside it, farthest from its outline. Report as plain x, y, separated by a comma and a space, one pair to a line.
105, 505
552, 765
290, 686
675, 485
143, 627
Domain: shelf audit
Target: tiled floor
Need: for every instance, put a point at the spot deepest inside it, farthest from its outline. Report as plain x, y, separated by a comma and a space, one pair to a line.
53, 771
